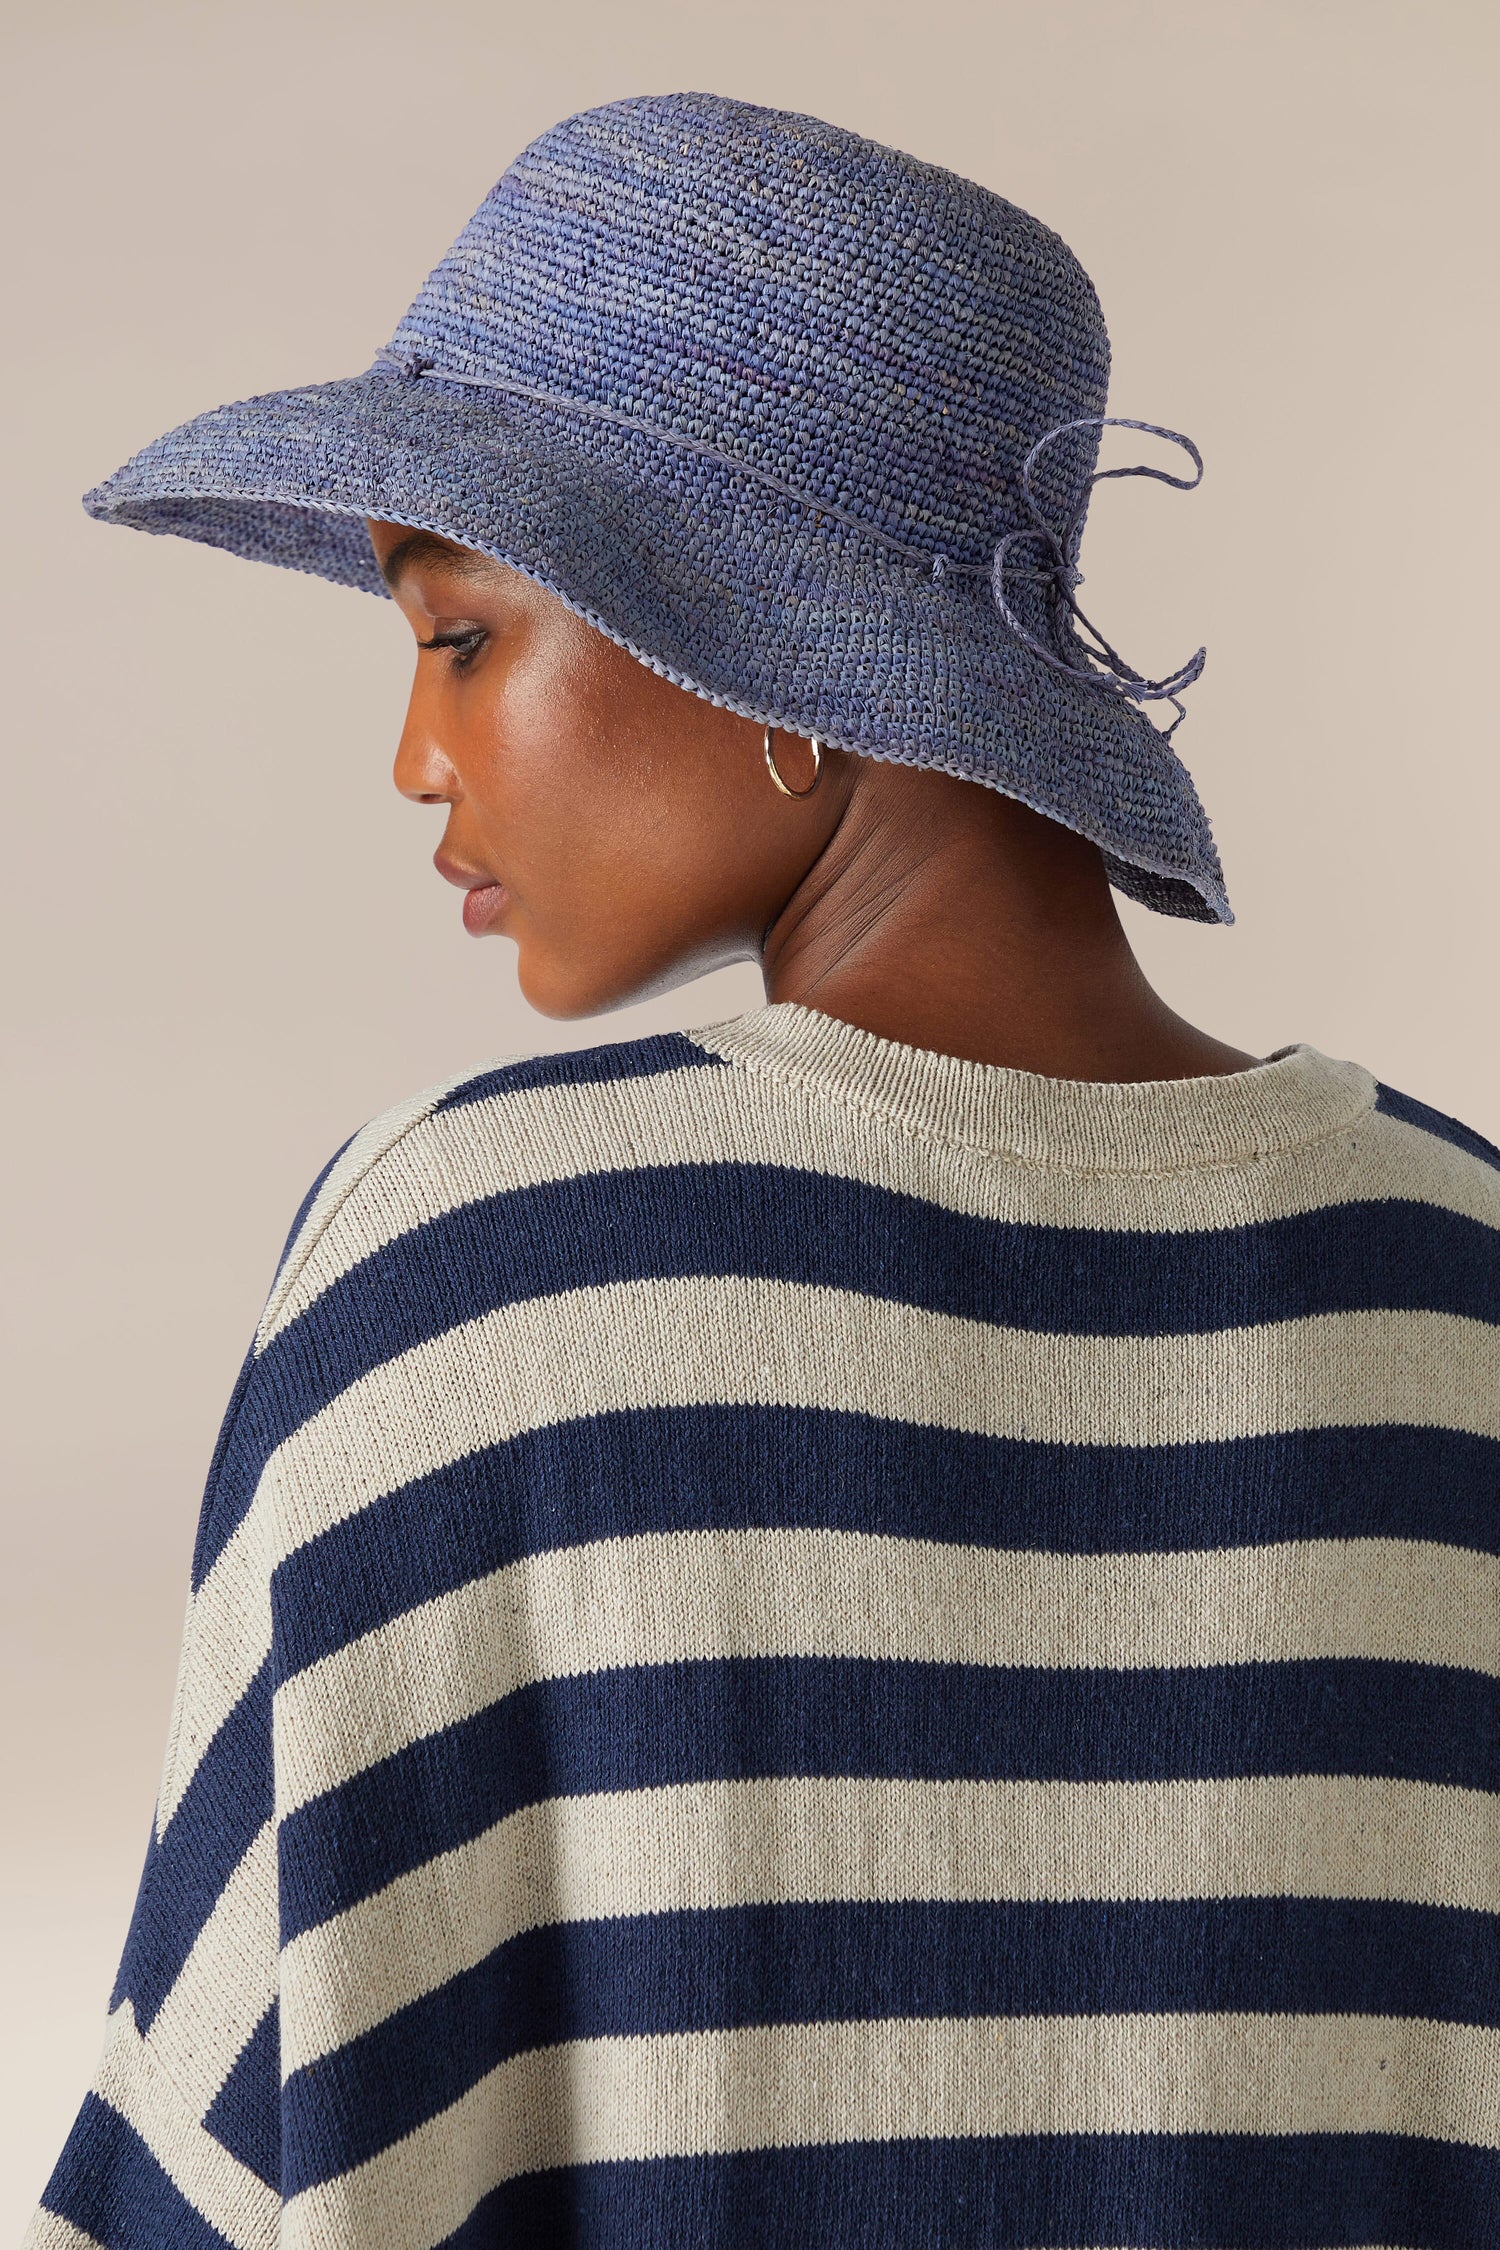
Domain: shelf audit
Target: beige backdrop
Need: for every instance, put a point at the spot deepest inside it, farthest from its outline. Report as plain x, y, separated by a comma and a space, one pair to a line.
226, 945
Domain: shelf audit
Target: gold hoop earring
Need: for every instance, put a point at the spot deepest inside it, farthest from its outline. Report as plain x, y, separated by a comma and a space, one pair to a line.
776, 777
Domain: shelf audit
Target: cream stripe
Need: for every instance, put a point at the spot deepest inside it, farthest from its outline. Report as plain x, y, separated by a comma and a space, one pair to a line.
687, 1342
725, 1339
685, 1597
184, 1691
699, 1116
744, 1843
795, 2085
219, 2188
226, 1639
48, 2232
227, 1982
369, 1145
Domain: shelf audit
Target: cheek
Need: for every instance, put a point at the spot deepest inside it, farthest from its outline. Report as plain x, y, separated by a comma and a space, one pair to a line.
556, 822
614, 815
576, 833
600, 910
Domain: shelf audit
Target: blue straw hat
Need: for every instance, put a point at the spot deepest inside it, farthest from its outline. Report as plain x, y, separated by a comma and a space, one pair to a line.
806, 425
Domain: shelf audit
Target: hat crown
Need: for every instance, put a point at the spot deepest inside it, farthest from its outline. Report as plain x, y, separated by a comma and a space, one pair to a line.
882, 333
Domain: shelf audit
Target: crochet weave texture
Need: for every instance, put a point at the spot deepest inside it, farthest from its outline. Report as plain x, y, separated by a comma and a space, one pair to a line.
882, 339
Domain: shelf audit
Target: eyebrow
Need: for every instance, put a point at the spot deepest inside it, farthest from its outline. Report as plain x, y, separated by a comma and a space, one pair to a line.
427, 547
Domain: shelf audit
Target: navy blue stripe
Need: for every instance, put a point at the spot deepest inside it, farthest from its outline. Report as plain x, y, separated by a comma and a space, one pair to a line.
269, 1402
223, 1808
647, 1726
744, 1468
245, 2115
109, 2184
226, 1491
774, 1222
241, 1447
654, 1974
584, 1066
675, 1221
1203, 2191
1434, 1121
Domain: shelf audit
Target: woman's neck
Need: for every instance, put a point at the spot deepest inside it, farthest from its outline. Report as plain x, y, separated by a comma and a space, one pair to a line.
947, 916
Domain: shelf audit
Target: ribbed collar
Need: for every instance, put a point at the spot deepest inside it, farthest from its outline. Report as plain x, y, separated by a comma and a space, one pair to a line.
1165, 1124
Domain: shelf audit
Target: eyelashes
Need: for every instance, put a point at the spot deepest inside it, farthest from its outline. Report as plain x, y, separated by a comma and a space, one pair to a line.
463, 644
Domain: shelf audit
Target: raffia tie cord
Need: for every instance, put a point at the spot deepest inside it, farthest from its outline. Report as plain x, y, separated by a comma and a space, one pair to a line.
1090, 660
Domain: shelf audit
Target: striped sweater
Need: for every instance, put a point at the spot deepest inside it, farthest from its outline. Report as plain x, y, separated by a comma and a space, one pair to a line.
795, 1642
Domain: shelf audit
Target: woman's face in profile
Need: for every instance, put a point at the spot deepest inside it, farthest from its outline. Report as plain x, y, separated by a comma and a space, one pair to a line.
623, 831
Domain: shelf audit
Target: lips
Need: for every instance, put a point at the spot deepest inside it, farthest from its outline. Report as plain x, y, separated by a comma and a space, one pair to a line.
483, 907
486, 899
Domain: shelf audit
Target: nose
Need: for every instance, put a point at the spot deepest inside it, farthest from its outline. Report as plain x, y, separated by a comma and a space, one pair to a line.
422, 773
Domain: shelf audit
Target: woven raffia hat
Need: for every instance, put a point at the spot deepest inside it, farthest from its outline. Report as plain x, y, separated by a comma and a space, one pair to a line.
806, 425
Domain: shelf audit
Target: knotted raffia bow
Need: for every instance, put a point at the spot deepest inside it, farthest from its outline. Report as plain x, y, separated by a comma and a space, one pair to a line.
1091, 660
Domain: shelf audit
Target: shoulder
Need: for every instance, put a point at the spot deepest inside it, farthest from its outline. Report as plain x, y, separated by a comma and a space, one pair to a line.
1435, 1125
432, 1166
1434, 1158
432, 1214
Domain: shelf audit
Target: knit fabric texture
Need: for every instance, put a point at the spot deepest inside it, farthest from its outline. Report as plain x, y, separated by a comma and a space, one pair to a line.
796, 1642
875, 335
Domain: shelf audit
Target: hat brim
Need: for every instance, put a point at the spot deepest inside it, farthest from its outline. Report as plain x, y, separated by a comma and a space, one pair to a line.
709, 576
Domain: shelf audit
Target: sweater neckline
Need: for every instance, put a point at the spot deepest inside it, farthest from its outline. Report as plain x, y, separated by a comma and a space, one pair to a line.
1293, 1097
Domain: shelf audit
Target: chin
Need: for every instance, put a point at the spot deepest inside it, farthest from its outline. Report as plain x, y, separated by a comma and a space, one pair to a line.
567, 991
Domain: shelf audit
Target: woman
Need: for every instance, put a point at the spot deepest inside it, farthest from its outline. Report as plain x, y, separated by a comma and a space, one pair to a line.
875, 1624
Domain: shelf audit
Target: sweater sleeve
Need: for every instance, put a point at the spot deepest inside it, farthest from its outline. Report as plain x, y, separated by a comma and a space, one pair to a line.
178, 2145
177, 2142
